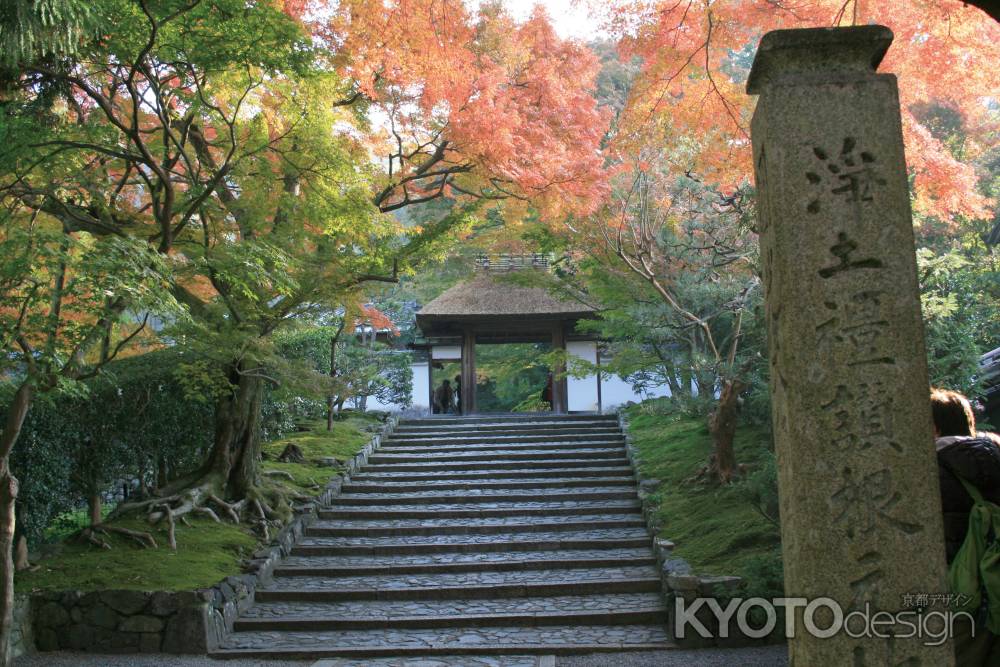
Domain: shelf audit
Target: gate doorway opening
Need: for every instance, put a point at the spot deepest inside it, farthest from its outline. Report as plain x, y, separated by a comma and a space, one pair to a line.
513, 377
446, 387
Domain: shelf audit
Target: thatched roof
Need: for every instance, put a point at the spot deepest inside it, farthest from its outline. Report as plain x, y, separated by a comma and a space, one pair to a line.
487, 296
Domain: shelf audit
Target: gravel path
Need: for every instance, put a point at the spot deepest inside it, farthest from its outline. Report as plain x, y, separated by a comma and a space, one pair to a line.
151, 660
768, 656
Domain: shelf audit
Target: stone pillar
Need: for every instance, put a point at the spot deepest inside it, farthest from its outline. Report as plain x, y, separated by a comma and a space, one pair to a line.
468, 372
430, 380
560, 388
857, 474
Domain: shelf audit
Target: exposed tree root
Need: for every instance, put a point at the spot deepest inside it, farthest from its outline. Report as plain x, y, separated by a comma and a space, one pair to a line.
231, 510
93, 535
284, 474
207, 511
265, 508
171, 527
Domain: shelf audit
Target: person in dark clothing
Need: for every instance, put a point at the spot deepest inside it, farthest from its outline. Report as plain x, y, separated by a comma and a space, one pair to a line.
443, 398
977, 460
458, 394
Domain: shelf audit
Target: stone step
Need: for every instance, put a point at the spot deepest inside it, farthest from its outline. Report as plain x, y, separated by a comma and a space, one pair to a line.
578, 494
410, 476
479, 510
607, 538
437, 661
501, 439
330, 566
602, 609
484, 466
508, 429
490, 536
479, 421
551, 446
451, 585
471, 640
449, 485
499, 454
477, 526
496, 421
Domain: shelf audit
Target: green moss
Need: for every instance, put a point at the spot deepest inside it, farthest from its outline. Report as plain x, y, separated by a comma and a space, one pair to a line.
716, 528
342, 442
206, 553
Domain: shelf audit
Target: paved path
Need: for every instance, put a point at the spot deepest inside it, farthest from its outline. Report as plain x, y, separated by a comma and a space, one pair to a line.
472, 536
771, 656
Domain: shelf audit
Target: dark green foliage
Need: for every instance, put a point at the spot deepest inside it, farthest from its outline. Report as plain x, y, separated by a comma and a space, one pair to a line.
31, 29
130, 422
363, 370
764, 576
762, 488
512, 377
40, 463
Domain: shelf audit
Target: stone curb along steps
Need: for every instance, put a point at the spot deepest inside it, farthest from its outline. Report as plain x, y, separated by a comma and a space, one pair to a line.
677, 578
513, 535
126, 621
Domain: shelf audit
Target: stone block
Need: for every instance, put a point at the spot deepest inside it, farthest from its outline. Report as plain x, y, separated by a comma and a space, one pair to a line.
718, 586
102, 616
664, 544
46, 639
51, 615
82, 637
682, 582
163, 603
142, 624
125, 641
186, 631
125, 602
676, 566
150, 642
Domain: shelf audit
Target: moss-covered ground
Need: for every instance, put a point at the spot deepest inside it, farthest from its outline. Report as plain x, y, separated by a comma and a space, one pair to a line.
718, 529
342, 442
206, 551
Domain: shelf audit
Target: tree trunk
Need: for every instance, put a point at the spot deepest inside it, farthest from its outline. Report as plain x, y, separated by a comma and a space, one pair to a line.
161, 473
235, 457
21, 561
16, 414
722, 426
331, 401
94, 508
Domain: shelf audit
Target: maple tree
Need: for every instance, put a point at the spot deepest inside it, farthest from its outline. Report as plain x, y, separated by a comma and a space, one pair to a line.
472, 104
696, 54
236, 146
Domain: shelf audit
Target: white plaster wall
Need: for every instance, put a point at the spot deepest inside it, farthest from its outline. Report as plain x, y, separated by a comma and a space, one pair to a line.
615, 392
582, 392
447, 352
419, 395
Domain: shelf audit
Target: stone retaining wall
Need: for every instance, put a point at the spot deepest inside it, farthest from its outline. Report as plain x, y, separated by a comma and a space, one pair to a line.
123, 621
677, 576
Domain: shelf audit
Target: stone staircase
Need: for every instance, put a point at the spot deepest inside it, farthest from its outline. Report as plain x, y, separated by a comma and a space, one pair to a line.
506, 535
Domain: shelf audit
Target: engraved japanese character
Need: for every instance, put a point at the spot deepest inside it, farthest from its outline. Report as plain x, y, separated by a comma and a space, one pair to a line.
855, 175
843, 250
863, 502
